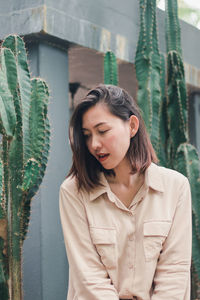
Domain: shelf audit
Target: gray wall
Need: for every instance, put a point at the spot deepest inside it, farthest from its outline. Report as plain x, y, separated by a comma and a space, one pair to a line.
45, 264
99, 24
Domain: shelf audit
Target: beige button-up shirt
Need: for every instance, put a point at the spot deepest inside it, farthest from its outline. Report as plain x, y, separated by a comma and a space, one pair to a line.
143, 251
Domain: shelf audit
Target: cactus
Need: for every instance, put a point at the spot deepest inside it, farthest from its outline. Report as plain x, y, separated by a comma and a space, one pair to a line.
148, 58
163, 128
184, 156
187, 162
110, 68
25, 133
171, 141
176, 87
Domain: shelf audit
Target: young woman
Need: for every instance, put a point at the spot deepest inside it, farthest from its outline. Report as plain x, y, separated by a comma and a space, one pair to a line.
126, 221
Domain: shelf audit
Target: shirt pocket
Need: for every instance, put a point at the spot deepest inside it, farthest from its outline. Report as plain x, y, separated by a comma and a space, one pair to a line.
104, 240
155, 233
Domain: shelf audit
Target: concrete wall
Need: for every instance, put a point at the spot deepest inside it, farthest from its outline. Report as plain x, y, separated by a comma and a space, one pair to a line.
98, 24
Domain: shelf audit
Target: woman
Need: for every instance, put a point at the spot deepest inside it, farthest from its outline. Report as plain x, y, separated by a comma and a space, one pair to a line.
125, 220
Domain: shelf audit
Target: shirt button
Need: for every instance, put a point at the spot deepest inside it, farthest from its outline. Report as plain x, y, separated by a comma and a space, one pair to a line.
130, 266
131, 237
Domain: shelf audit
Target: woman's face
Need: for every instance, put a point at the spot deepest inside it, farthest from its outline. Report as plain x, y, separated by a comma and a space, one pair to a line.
107, 136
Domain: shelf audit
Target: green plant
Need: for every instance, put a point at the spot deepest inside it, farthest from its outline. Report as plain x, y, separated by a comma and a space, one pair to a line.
166, 117
182, 155
24, 127
110, 68
148, 58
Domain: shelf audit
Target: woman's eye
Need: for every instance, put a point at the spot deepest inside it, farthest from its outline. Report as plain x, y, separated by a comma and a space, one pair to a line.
103, 131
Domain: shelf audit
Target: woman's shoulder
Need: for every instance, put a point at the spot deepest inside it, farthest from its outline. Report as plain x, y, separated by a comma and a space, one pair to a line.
70, 187
168, 175
69, 192
70, 183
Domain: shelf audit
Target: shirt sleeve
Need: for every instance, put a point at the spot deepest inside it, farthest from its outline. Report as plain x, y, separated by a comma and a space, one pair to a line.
172, 276
88, 274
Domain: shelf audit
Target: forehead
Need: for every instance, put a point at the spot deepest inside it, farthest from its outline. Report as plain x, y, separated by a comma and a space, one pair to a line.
97, 114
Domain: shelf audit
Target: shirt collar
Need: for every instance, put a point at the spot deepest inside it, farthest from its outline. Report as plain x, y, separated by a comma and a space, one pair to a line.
153, 179
101, 189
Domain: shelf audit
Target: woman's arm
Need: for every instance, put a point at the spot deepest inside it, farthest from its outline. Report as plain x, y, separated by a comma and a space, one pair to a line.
88, 274
172, 277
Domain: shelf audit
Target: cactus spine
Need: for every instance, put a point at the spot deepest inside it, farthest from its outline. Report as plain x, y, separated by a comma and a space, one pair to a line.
110, 68
25, 133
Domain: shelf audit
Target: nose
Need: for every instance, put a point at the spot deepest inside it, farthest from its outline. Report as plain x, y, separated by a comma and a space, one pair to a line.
95, 143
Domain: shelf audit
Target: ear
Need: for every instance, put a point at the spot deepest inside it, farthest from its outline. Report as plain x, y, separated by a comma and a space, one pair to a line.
134, 125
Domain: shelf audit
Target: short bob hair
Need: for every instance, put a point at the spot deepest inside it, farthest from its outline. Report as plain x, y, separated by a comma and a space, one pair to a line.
85, 167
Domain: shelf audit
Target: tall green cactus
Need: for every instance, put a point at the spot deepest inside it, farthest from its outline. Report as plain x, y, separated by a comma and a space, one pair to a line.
25, 133
110, 68
148, 58
183, 155
172, 117
176, 87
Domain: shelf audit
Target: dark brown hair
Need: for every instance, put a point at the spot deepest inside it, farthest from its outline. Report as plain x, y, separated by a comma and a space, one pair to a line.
85, 167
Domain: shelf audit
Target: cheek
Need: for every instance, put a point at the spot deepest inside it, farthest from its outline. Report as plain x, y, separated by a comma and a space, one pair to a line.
110, 142
123, 143
119, 142
111, 139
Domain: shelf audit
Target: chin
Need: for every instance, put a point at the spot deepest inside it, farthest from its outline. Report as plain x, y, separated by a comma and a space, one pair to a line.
109, 167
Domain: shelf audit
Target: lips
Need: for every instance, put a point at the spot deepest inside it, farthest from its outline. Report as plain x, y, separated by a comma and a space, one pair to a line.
102, 156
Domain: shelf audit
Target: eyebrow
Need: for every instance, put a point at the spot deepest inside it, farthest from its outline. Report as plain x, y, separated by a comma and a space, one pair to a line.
97, 125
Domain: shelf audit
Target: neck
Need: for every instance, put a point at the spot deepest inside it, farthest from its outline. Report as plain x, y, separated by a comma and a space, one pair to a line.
124, 175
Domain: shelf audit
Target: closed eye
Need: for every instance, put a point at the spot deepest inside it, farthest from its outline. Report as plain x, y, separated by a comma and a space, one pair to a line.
103, 131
